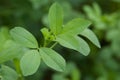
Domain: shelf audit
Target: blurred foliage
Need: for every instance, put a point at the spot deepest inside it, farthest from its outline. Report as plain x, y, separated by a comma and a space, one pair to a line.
71, 73
109, 24
101, 64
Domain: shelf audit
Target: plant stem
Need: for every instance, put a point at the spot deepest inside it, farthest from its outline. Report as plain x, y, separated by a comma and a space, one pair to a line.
44, 43
18, 70
54, 45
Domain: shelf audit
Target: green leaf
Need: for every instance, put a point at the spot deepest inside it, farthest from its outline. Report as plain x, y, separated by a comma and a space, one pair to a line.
113, 34
84, 47
74, 42
4, 36
75, 26
8, 73
55, 18
97, 9
91, 36
90, 12
23, 37
45, 33
30, 62
11, 50
52, 59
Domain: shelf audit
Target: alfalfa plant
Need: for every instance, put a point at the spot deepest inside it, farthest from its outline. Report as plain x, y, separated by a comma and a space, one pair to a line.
57, 33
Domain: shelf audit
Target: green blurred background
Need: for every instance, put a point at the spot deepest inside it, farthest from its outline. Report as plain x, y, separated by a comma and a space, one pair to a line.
101, 64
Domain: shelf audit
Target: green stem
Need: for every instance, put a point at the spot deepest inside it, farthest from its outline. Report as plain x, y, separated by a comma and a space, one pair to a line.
46, 44
18, 70
54, 45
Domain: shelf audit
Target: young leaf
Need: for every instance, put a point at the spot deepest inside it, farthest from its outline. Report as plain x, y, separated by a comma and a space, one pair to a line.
24, 37
75, 26
8, 73
47, 34
91, 36
73, 42
30, 62
55, 18
52, 59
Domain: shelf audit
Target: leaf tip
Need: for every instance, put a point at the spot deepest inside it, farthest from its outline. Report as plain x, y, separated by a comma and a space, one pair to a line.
99, 46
